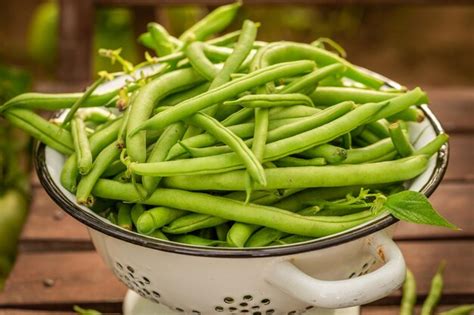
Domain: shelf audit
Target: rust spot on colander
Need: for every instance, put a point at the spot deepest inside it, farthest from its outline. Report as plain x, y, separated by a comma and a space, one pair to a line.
381, 254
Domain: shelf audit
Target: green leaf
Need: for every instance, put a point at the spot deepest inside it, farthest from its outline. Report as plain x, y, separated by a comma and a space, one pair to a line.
414, 207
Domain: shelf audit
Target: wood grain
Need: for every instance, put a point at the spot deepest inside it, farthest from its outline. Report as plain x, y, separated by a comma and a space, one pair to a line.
461, 166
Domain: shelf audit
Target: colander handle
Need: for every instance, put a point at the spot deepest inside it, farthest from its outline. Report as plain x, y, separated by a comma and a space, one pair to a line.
344, 293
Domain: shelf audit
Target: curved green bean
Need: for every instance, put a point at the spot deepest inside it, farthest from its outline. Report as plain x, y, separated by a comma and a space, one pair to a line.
157, 217
271, 100
400, 140
436, 289
239, 233
409, 295
81, 145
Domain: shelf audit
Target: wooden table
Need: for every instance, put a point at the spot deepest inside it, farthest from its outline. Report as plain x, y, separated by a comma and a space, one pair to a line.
57, 266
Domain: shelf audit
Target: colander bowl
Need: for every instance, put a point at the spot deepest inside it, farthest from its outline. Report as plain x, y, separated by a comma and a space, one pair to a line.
347, 269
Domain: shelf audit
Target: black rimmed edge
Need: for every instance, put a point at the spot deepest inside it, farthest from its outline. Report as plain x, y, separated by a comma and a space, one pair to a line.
95, 223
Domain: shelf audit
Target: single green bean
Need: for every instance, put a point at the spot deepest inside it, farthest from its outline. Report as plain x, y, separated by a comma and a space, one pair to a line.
87, 182
370, 152
409, 295
222, 93
290, 161
199, 61
328, 96
433, 146
308, 83
84, 97
239, 233
436, 289
156, 218
310, 176
146, 99
196, 240
170, 137
159, 235
41, 129
161, 39
214, 22
222, 230
271, 100
400, 140
124, 219
460, 310
81, 145
368, 136
234, 210
330, 153
192, 222
137, 210
409, 114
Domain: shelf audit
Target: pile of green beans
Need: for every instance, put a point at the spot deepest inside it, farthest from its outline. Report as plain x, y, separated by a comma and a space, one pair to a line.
233, 142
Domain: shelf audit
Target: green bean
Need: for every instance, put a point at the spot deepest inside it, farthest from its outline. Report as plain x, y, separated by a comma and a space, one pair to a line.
146, 99
222, 93
212, 23
304, 198
293, 111
368, 136
199, 61
137, 210
41, 129
292, 239
273, 151
330, 153
310, 176
179, 97
290, 161
370, 152
124, 219
264, 237
308, 83
161, 39
170, 136
87, 182
248, 158
286, 51
96, 115
241, 51
271, 100
379, 128
156, 218
196, 240
409, 114
159, 235
192, 222
57, 101
328, 96
400, 103
81, 145
81, 100
435, 292
234, 210
387, 157
434, 145
221, 231
114, 168
409, 295
460, 310
400, 140
239, 233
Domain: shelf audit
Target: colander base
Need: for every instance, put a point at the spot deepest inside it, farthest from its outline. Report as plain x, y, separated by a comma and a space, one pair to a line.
134, 304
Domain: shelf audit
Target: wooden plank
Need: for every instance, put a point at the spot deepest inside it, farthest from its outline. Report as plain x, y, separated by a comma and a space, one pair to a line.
455, 202
75, 40
47, 221
461, 166
454, 107
76, 278
82, 277
32, 312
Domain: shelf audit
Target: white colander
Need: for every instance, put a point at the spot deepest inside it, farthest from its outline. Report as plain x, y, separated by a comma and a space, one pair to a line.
351, 268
